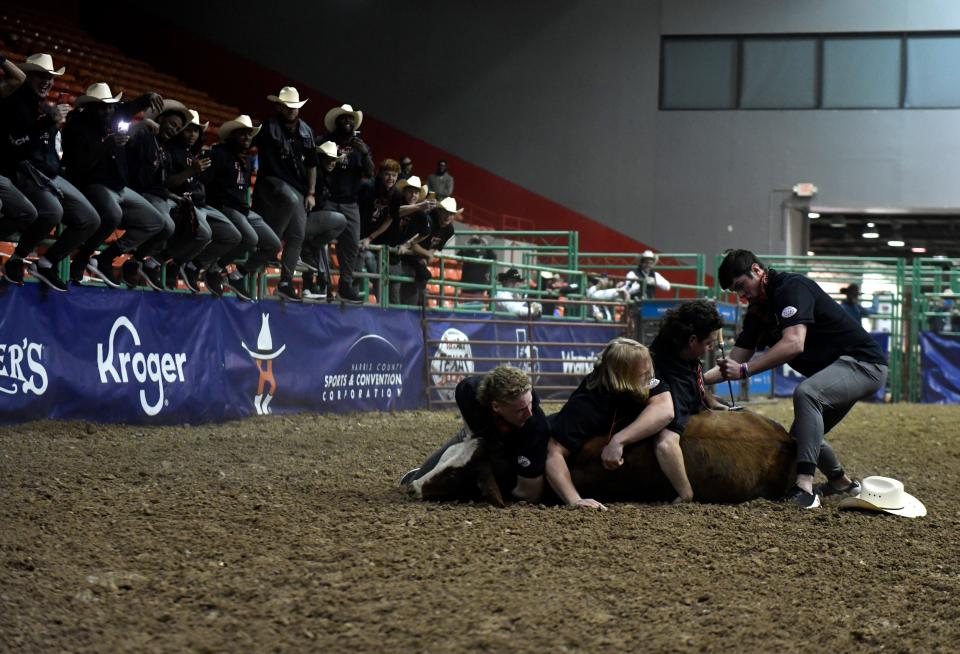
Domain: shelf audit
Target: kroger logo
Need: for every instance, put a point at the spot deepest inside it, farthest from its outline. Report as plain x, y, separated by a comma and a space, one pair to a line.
141, 367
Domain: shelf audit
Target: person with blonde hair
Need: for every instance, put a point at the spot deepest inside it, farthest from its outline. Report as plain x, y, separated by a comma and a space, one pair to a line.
503, 408
620, 399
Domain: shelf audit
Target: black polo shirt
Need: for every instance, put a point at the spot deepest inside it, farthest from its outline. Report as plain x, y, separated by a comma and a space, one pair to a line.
793, 299
347, 175
227, 180
28, 132
590, 413
284, 154
681, 378
526, 445
374, 201
148, 163
181, 158
89, 157
439, 233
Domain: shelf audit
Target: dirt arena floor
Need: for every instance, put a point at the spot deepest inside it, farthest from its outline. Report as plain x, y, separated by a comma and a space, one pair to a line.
289, 534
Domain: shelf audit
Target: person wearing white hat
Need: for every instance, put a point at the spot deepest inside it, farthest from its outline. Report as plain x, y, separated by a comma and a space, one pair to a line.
29, 127
423, 252
410, 224
355, 163
644, 282
286, 183
95, 161
190, 166
228, 189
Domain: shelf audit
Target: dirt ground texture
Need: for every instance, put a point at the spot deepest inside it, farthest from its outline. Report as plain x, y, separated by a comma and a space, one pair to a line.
283, 533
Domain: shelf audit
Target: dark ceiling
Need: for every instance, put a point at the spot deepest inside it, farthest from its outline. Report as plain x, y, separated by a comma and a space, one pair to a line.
841, 234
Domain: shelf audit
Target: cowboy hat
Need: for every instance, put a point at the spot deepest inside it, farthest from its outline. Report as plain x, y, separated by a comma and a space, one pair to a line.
511, 275
240, 122
449, 205
41, 63
546, 274
195, 120
99, 92
171, 107
288, 96
330, 120
328, 149
648, 254
884, 494
414, 182
853, 288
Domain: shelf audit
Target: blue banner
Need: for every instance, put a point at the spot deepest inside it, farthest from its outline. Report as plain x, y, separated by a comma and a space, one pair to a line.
654, 309
939, 368
786, 379
553, 368
143, 357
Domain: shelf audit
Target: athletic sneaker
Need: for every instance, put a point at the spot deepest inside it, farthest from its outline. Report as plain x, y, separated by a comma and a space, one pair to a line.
13, 271
234, 282
407, 477
105, 274
48, 276
212, 279
302, 266
348, 295
286, 291
77, 267
314, 290
190, 276
827, 489
173, 272
130, 271
151, 276
802, 498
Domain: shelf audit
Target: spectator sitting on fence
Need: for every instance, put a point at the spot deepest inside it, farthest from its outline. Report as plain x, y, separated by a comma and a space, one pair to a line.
227, 182
286, 184
511, 301
851, 303
440, 181
644, 282
410, 224
95, 161
374, 201
406, 167
29, 127
475, 272
602, 289
553, 286
323, 227
190, 164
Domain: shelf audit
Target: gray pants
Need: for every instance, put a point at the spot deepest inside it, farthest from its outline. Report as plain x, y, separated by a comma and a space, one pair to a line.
224, 237
155, 243
369, 261
68, 206
282, 207
17, 213
124, 208
405, 292
348, 242
323, 227
821, 401
256, 240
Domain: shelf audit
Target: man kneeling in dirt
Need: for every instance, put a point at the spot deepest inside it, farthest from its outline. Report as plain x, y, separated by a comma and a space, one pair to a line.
502, 411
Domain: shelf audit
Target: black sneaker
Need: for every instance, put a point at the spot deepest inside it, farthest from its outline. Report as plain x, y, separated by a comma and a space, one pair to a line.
827, 489
235, 282
408, 477
286, 291
348, 295
13, 271
48, 276
172, 271
302, 267
312, 289
77, 267
802, 498
151, 276
130, 272
102, 270
212, 279
191, 277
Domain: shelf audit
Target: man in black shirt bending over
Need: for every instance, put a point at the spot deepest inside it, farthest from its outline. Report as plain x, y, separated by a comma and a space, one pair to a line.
503, 409
805, 327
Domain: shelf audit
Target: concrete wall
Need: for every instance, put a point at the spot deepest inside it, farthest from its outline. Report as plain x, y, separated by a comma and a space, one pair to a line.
561, 98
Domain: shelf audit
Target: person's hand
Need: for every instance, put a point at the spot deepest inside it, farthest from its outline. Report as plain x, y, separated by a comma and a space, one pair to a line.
426, 205
60, 112
156, 102
310, 202
118, 139
357, 143
729, 368
586, 503
612, 455
364, 243
200, 164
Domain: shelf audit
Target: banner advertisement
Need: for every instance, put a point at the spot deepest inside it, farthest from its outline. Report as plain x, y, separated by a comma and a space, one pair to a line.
142, 357
557, 355
939, 368
786, 379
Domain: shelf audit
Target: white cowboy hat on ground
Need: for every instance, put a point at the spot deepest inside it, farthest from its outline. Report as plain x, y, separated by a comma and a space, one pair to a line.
288, 96
649, 254
884, 494
240, 122
98, 92
330, 120
449, 205
195, 120
41, 63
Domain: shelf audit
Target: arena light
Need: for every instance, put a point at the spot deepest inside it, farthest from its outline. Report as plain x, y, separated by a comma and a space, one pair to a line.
919, 250
811, 253
871, 233
896, 244
813, 215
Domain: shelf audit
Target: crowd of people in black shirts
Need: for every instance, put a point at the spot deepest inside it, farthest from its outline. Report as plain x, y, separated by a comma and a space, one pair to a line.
189, 213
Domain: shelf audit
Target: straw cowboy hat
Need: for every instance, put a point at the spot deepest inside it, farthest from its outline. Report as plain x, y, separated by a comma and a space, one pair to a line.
195, 120
288, 96
887, 495
328, 149
240, 122
414, 182
98, 92
449, 205
649, 254
41, 63
330, 120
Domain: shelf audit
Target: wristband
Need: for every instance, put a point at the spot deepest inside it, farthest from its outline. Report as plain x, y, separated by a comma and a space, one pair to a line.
744, 371
311, 194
